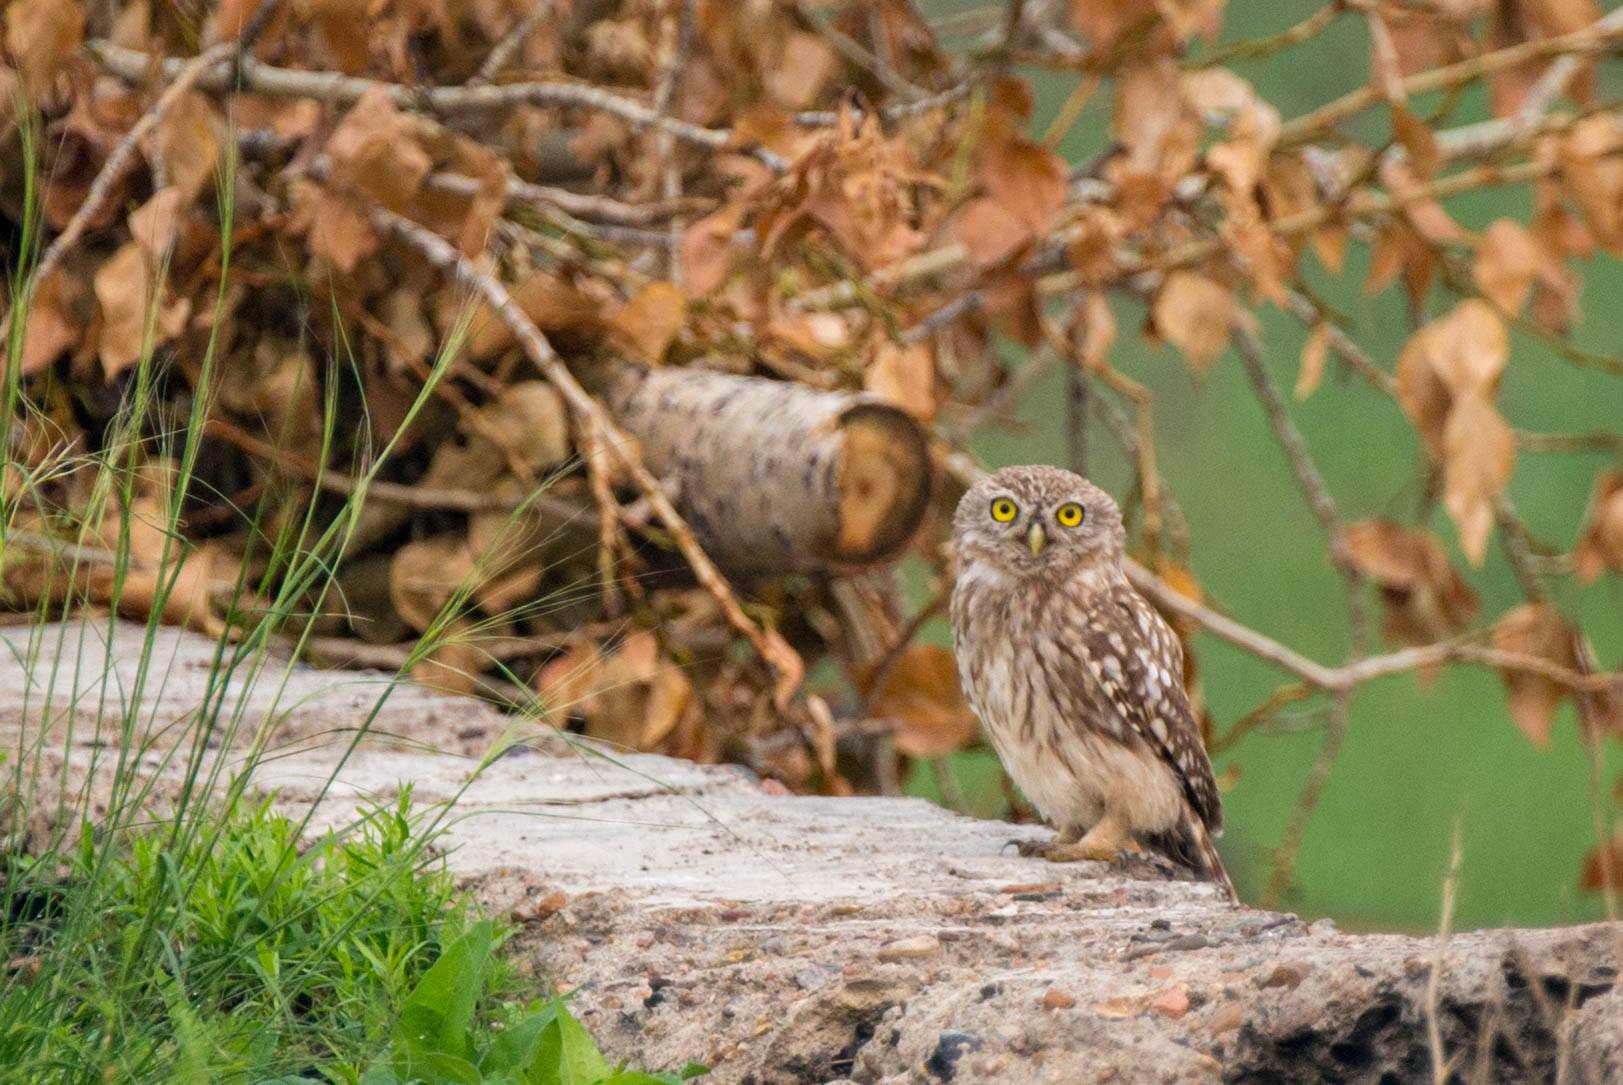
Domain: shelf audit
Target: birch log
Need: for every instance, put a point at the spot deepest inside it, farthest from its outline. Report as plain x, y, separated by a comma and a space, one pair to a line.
774, 476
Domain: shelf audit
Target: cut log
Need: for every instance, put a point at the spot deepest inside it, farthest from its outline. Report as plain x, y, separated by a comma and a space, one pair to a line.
777, 477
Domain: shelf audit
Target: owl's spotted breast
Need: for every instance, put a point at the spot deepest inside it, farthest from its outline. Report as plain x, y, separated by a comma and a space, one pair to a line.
1058, 735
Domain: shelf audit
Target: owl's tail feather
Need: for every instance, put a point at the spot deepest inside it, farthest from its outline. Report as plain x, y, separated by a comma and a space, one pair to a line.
1212, 862
1190, 845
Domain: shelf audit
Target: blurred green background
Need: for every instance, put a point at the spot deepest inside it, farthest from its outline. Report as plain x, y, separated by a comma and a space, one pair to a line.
1416, 761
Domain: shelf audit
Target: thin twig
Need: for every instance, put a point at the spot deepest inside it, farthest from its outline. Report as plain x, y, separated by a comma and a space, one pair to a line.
1283, 874
679, 44
1308, 479
511, 43
1304, 309
1350, 675
580, 204
254, 75
1592, 38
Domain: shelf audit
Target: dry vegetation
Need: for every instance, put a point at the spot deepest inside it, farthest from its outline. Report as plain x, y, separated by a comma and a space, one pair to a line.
523, 204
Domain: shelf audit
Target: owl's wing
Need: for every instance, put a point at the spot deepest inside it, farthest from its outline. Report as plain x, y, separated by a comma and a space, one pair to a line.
1135, 662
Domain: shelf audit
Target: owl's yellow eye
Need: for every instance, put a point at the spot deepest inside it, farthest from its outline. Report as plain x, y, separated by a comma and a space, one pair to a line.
1068, 514
1003, 510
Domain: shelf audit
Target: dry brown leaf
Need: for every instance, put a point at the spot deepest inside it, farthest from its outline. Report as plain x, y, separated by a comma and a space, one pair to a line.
40, 35
708, 251
1603, 867
155, 224
1024, 178
1447, 377
1427, 216
160, 567
454, 662
1508, 261
1416, 137
1154, 122
645, 326
345, 27
124, 290
1591, 159
631, 697
920, 696
807, 65
1094, 236
1187, 18
991, 234
529, 417
374, 148
1536, 630
187, 143
1196, 315
1242, 157
857, 184
425, 574
411, 339
566, 680
1314, 352
903, 374
51, 327
1600, 546
1423, 597
1103, 22
340, 231
1479, 453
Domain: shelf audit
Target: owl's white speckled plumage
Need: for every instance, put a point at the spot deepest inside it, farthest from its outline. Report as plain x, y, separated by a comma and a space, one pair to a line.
1075, 677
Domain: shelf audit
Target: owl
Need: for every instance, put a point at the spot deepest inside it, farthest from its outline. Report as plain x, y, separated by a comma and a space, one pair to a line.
1075, 677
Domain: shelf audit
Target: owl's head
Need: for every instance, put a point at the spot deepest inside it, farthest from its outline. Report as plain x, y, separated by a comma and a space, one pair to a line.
1037, 519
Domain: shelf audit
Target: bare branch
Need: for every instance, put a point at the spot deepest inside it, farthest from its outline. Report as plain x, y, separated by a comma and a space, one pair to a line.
218, 76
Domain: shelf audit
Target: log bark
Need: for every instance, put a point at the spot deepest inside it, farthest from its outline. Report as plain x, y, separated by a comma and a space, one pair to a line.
774, 476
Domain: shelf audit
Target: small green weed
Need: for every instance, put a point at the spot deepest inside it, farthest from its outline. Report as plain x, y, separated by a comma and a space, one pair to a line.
439, 1041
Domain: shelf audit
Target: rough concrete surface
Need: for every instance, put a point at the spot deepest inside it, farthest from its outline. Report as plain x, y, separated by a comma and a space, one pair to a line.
699, 914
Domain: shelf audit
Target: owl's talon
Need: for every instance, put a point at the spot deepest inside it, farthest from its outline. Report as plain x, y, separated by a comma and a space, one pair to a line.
1031, 849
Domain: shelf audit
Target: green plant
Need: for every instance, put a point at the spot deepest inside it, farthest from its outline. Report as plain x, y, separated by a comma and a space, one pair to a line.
273, 955
438, 1040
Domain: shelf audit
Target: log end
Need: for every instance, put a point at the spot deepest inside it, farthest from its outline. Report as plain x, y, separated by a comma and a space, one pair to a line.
884, 481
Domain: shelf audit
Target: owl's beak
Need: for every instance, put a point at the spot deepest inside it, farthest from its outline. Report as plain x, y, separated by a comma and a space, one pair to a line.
1036, 538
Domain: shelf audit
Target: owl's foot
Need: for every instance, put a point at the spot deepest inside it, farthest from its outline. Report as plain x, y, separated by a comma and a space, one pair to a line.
1104, 843
1082, 851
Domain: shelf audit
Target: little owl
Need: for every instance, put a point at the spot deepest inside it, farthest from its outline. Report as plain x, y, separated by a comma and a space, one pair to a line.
1076, 678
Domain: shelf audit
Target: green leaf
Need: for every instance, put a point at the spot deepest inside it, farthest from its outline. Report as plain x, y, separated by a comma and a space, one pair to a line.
436, 1015
567, 1054
623, 1076
514, 1050
438, 1068
380, 1074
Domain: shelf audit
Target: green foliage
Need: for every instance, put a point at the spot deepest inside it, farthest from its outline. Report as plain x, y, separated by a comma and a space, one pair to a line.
238, 957
438, 1040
